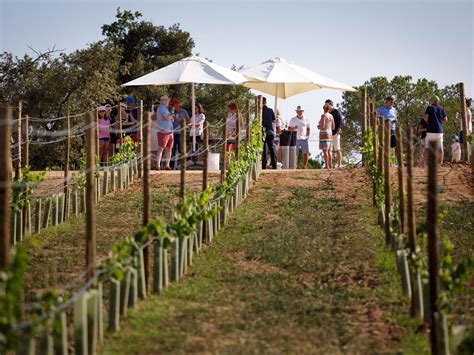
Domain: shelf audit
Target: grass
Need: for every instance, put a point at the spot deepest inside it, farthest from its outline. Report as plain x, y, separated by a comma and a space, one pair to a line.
298, 268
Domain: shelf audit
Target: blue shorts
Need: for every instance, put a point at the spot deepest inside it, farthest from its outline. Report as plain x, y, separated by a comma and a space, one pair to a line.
303, 145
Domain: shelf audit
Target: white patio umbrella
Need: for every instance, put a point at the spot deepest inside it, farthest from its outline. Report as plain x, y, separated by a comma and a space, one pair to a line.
281, 78
193, 70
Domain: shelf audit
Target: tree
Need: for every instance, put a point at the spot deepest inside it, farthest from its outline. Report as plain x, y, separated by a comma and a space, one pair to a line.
411, 99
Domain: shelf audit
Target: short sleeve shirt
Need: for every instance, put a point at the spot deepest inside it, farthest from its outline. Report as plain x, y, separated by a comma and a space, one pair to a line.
178, 117
436, 115
389, 114
337, 120
163, 124
302, 124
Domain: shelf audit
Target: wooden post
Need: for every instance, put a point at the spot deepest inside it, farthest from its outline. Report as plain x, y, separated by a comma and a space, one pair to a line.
381, 144
387, 188
97, 142
401, 183
142, 147
237, 135
247, 121
27, 140
256, 107
18, 138
5, 184
205, 168
370, 114
90, 193
66, 166
464, 123
375, 148
411, 226
182, 187
364, 117
146, 159
433, 241
224, 152
120, 126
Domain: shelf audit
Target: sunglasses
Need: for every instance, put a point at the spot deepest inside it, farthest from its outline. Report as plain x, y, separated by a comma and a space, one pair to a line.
101, 111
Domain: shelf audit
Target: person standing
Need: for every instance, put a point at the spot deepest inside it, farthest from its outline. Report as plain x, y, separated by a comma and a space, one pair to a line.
268, 117
468, 121
326, 126
179, 114
435, 118
113, 131
196, 130
165, 131
336, 132
455, 149
389, 113
300, 125
104, 136
231, 126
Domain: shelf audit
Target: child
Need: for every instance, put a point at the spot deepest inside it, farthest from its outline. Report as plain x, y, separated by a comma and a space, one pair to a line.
455, 149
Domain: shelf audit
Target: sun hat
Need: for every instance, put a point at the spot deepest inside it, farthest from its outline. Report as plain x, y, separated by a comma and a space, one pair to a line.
299, 108
455, 137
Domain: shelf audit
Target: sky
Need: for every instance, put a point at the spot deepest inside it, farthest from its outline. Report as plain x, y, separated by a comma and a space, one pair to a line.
349, 41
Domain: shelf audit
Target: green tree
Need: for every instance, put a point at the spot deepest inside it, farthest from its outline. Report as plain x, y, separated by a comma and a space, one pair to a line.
411, 100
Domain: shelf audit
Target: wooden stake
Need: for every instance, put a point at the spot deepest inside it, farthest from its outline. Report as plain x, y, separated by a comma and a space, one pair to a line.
374, 145
464, 123
146, 159
27, 140
381, 144
142, 146
120, 125
237, 134
90, 193
66, 166
433, 241
256, 107
247, 121
205, 168
182, 187
401, 183
387, 188
97, 142
224, 152
364, 116
18, 135
411, 210
5, 184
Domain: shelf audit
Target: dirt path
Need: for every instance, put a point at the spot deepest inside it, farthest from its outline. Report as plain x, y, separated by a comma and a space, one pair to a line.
299, 268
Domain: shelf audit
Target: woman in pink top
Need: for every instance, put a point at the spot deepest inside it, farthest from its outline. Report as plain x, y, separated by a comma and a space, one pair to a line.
104, 136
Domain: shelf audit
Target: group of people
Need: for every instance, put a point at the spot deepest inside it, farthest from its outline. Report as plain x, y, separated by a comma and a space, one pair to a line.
168, 120
430, 128
297, 131
114, 124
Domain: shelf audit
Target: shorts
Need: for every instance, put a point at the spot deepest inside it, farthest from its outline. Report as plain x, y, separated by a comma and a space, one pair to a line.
336, 141
165, 139
230, 147
303, 144
434, 137
325, 145
104, 139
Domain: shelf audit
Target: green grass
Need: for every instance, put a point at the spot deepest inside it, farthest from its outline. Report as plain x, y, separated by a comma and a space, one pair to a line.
306, 273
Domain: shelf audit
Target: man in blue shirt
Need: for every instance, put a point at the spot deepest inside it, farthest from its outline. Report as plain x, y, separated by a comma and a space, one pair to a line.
435, 117
389, 113
179, 115
165, 131
268, 117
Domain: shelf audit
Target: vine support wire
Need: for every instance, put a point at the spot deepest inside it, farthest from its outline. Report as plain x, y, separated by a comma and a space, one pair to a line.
27, 140
5, 182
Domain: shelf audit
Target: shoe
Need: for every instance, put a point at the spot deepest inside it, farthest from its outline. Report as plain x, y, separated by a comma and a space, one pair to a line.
168, 168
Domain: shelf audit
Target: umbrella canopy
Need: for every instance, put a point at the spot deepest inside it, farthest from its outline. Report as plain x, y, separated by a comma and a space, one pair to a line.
193, 69
283, 79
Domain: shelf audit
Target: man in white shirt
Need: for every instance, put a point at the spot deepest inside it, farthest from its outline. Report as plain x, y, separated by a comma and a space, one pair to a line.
300, 124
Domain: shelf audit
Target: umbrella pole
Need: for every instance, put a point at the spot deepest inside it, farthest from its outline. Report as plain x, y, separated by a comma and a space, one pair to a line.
193, 110
276, 106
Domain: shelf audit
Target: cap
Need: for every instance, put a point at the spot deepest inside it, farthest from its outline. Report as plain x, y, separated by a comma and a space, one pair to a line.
299, 108
435, 98
390, 97
129, 100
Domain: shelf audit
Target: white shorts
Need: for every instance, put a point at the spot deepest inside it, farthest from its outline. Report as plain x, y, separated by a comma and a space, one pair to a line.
336, 141
434, 137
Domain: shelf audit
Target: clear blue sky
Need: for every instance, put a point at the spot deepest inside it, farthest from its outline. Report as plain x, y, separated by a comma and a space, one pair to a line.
349, 41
